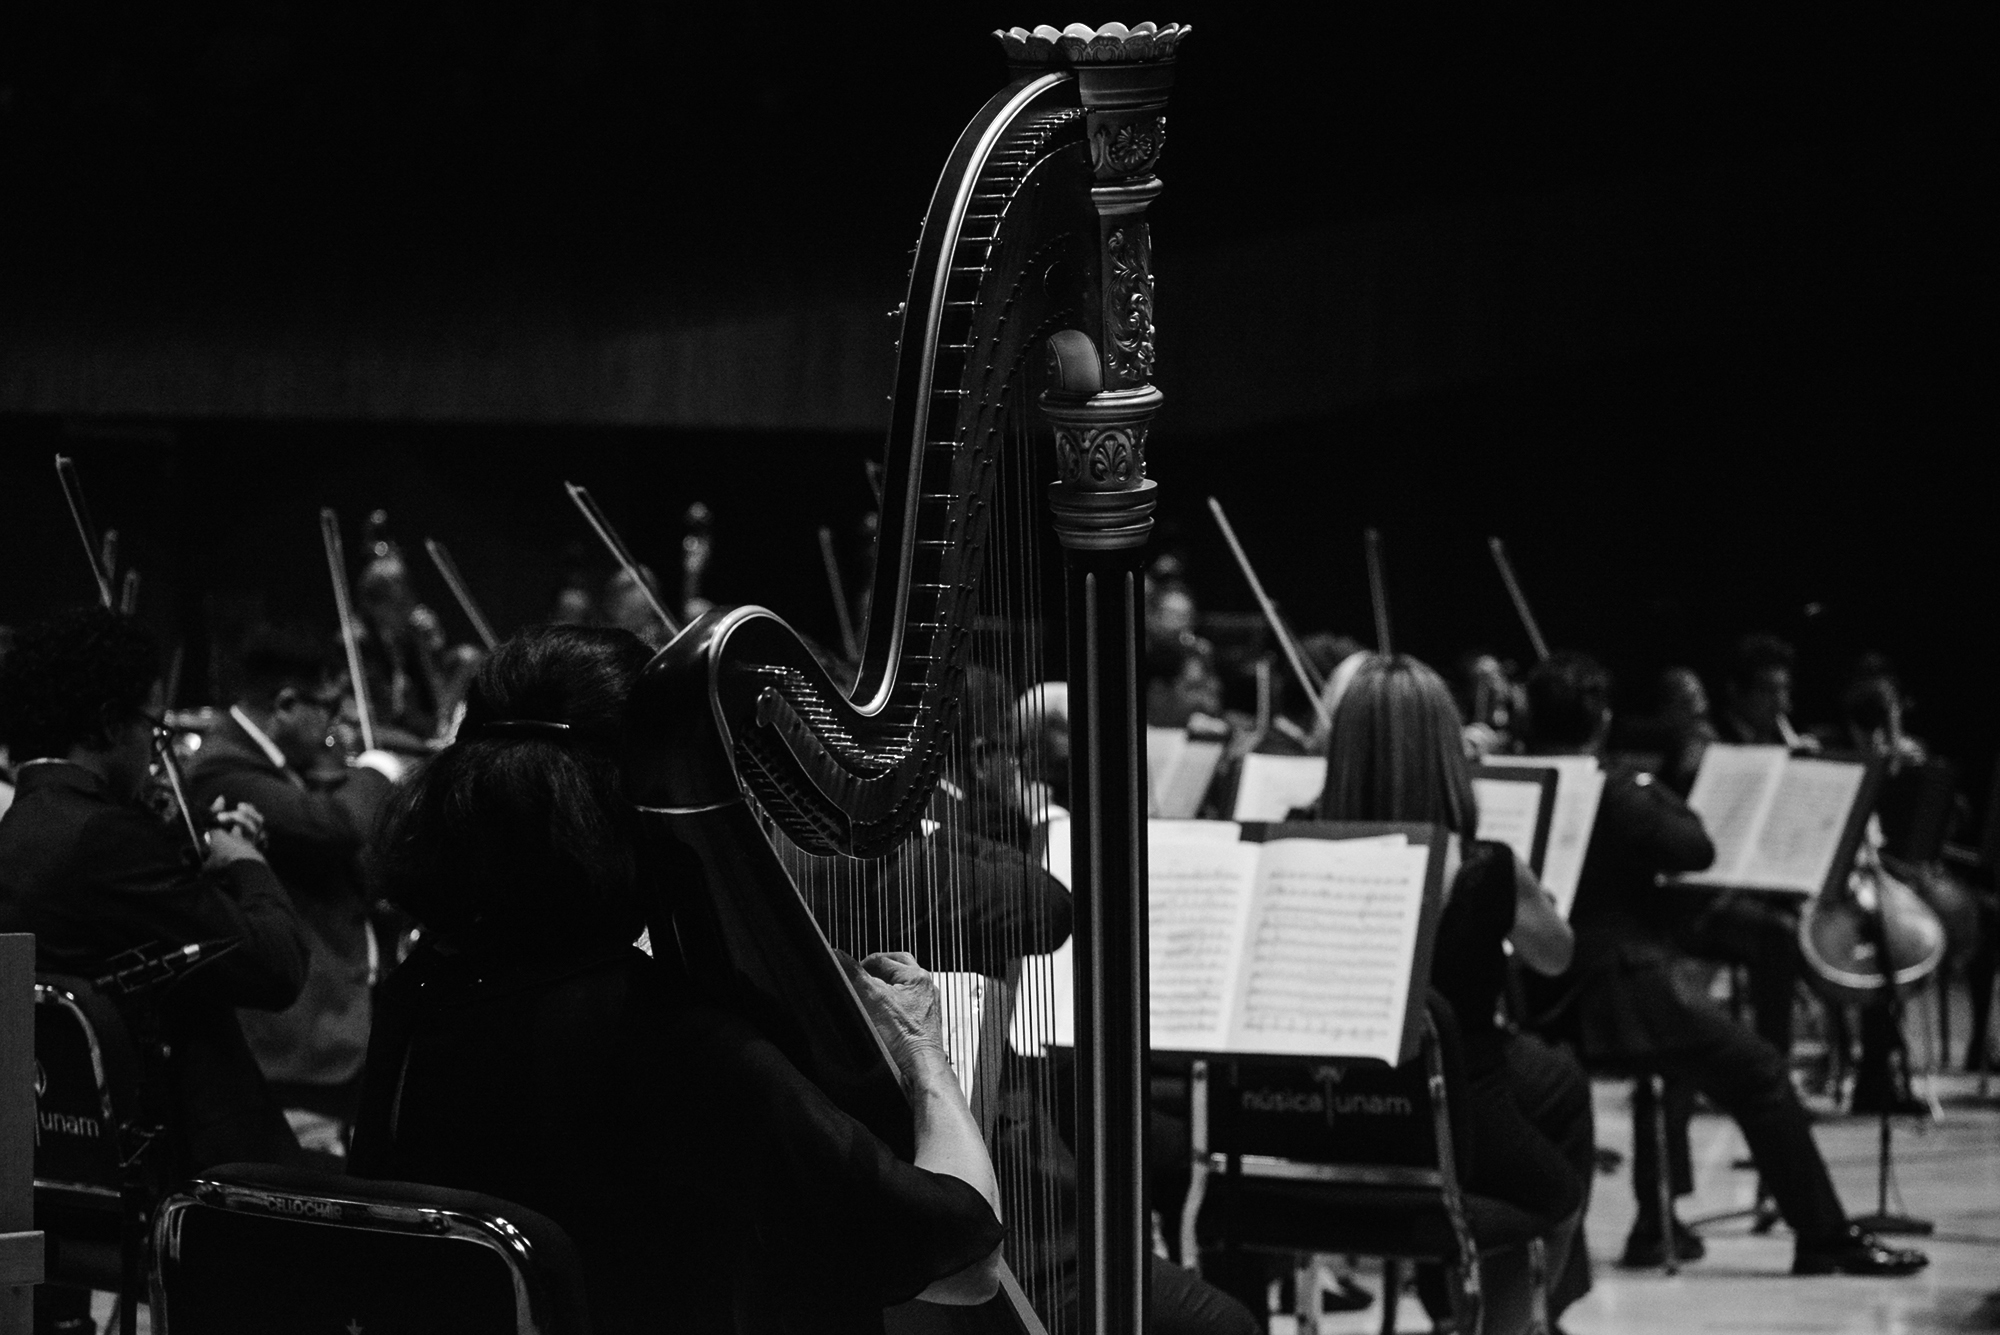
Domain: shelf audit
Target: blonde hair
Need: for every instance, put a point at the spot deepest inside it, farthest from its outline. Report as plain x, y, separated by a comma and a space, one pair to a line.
1396, 752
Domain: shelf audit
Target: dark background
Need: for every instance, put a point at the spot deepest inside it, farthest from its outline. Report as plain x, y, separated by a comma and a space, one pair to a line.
1684, 302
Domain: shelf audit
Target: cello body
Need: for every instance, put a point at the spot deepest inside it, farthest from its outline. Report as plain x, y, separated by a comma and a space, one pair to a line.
1877, 934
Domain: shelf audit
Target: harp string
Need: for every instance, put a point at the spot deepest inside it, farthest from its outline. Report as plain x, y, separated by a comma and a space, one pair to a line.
962, 892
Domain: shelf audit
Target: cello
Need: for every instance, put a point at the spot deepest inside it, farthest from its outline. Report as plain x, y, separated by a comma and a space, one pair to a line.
1028, 316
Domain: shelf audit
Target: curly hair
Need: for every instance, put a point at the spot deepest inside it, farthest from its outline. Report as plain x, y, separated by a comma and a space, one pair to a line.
73, 679
529, 831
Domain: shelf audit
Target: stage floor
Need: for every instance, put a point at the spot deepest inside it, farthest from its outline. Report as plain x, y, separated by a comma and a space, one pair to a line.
1947, 1170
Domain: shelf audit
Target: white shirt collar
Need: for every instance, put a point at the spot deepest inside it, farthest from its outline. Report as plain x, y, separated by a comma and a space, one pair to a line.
264, 744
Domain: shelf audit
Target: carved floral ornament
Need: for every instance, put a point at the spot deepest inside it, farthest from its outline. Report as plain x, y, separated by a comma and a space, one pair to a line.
1080, 44
1129, 149
1106, 458
1130, 302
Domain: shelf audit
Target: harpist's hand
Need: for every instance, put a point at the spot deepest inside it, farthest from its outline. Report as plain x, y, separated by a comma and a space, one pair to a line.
902, 1001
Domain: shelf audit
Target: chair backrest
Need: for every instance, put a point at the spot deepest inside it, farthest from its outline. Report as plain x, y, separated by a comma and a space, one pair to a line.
253, 1247
1364, 1116
88, 1095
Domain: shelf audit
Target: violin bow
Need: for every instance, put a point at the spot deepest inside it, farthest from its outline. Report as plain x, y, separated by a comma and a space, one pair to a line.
586, 505
102, 557
350, 635
163, 744
448, 570
832, 563
1293, 656
1378, 590
79, 511
1514, 591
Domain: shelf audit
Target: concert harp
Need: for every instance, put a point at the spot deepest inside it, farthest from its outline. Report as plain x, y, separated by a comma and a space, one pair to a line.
831, 817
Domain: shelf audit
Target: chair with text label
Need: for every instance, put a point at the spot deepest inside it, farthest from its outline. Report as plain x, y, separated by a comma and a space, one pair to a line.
1304, 1158
96, 1173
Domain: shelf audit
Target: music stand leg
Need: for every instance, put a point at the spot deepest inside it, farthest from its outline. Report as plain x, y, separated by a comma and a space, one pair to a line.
1882, 1221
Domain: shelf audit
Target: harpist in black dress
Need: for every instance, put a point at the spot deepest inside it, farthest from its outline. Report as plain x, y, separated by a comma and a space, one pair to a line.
528, 1050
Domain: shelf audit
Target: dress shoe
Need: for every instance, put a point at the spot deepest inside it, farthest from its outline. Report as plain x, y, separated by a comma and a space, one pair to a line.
1644, 1247
1856, 1253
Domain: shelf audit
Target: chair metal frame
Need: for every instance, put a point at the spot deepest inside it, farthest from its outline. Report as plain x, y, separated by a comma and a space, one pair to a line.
132, 1135
532, 1303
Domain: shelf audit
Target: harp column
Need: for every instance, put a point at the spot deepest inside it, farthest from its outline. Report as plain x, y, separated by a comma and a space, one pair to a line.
1101, 402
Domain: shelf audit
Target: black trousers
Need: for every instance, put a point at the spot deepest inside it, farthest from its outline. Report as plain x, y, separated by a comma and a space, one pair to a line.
1549, 1086
1533, 1146
1745, 1077
1763, 937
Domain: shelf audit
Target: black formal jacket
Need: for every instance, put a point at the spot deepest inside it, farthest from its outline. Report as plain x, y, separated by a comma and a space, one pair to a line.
315, 836
92, 877
708, 1185
1618, 1001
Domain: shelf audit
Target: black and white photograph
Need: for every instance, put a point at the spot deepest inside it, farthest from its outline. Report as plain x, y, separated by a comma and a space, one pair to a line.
957, 670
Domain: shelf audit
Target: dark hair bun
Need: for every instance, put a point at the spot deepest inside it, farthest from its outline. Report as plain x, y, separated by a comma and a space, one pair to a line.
526, 826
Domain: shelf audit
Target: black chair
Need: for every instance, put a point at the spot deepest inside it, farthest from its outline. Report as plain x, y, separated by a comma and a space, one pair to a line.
97, 1178
1349, 1157
255, 1249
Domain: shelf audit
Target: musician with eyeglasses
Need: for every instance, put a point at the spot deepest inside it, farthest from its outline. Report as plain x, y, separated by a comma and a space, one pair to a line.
273, 750
94, 872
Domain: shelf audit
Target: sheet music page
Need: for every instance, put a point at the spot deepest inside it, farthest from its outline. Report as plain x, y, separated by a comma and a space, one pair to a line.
1801, 831
962, 998
1509, 810
1271, 786
1732, 791
1199, 903
1330, 945
1045, 1001
1178, 790
1163, 753
1579, 788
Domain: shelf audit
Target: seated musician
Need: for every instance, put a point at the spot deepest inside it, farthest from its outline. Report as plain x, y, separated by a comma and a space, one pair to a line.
1488, 698
1757, 695
272, 751
1917, 807
1678, 731
415, 679
528, 1050
1759, 933
93, 872
1620, 1003
1181, 682
627, 607
1396, 755
1004, 906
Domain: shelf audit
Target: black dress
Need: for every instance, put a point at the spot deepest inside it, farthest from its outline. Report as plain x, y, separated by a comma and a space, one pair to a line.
1523, 1148
707, 1184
